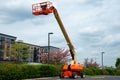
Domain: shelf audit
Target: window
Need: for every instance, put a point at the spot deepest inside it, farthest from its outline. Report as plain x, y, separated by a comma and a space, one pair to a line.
2, 38
1, 46
8, 40
12, 41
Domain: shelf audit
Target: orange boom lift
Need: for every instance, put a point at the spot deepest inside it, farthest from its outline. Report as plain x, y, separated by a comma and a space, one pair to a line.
73, 70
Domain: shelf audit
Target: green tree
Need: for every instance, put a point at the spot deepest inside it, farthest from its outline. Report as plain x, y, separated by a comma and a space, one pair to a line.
19, 52
25, 53
117, 63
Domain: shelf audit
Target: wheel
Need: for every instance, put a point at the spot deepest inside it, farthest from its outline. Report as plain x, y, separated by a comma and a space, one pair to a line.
74, 75
61, 75
82, 75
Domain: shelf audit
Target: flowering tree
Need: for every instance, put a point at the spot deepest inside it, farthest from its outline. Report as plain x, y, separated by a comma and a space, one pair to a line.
91, 63
60, 56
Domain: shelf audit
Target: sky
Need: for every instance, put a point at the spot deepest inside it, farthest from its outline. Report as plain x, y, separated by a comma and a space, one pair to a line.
92, 25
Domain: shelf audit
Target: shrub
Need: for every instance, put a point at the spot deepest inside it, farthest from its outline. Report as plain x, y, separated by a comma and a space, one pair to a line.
10, 72
96, 71
30, 71
118, 72
48, 70
59, 67
88, 71
99, 71
22, 71
110, 71
105, 72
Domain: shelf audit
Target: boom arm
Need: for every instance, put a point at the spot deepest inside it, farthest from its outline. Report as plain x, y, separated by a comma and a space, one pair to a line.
72, 51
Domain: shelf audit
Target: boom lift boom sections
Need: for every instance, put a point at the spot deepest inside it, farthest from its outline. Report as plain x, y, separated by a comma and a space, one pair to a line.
72, 51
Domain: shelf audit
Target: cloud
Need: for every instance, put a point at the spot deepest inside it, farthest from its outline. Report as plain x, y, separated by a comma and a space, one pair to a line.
13, 11
92, 25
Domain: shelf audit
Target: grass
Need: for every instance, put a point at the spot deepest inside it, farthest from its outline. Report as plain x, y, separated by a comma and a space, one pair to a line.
95, 76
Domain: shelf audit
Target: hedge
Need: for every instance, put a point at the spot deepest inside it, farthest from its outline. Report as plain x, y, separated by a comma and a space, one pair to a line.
23, 71
107, 71
118, 72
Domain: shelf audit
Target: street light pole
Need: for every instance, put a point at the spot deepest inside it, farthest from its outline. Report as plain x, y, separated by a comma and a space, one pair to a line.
49, 45
102, 59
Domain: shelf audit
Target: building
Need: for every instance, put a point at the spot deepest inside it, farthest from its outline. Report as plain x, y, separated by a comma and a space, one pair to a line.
36, 51
6, 42
32, 49
44, 49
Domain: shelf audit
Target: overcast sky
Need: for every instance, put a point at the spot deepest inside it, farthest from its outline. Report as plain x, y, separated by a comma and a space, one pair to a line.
92, 25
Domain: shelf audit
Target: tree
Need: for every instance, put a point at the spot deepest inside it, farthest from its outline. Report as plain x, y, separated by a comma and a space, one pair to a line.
91, 63
20, 52
25, 53
61, 56
117, 64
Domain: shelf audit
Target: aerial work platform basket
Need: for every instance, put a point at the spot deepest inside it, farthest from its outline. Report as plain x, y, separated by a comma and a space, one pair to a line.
42, 8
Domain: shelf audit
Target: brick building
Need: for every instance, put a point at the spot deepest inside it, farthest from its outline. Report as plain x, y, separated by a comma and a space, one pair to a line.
6, 42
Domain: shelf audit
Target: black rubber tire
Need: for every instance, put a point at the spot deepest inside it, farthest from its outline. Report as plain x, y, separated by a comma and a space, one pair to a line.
82, 75
61, 75
74, 75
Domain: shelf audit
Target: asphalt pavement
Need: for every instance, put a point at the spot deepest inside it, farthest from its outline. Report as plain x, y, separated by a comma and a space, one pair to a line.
104, 78
95, 78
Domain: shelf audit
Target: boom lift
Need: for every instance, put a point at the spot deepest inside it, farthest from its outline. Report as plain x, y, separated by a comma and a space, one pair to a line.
73, 70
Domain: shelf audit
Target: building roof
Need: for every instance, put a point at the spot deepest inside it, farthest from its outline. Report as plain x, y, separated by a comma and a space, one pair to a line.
27, 43
8, 35
50, 46
37, 45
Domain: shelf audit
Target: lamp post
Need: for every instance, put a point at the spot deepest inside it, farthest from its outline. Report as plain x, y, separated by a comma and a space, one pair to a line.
102, 58
49, 45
